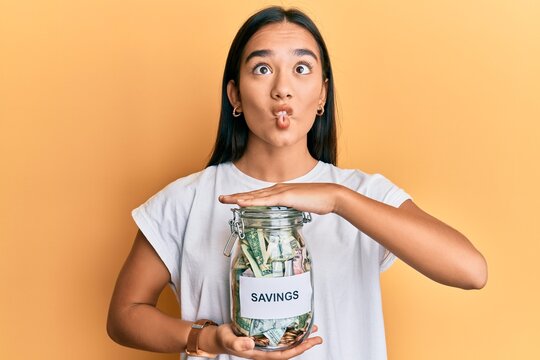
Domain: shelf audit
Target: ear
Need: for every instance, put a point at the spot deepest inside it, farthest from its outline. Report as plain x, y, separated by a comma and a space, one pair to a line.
233, 94
324, 92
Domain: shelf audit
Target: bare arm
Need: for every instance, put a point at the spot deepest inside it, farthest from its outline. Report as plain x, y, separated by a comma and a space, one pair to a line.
133, 318
135, 321
425, 243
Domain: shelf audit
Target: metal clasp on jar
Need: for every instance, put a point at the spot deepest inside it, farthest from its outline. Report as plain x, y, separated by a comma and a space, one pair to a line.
237, 231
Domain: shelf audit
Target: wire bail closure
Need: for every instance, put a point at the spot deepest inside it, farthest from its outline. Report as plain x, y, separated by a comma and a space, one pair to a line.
237, 231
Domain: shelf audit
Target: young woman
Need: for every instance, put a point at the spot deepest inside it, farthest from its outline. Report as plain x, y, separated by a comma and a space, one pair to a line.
276, 145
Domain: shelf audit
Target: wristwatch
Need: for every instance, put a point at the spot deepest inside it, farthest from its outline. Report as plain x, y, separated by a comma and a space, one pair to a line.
192, 347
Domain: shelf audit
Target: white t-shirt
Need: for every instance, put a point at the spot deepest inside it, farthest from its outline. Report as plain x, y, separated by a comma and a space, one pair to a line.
188, 227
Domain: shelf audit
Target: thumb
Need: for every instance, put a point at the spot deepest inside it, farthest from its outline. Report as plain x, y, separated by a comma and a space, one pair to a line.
243, 344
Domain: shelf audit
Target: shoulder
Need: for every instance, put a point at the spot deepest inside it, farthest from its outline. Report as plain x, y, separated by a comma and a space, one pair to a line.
182, 191
194, 181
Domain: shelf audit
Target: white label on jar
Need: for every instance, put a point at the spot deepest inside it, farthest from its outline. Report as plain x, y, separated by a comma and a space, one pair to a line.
275, 298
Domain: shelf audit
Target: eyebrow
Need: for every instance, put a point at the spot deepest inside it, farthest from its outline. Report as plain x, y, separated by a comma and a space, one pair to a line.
267, 53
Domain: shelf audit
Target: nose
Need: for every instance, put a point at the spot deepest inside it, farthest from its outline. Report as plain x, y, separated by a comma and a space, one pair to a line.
281, 89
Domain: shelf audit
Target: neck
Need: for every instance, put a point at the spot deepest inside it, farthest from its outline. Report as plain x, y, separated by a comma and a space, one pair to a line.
276, 164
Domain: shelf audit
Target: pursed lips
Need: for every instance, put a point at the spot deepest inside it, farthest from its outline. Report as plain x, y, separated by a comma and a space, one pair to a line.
282, 110
282, 114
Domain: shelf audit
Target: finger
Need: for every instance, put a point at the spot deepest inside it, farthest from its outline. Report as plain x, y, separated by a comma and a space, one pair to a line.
290, 353
271, 200
251, 194
241, 344
232, 342
304, 346
233, 199
282, 354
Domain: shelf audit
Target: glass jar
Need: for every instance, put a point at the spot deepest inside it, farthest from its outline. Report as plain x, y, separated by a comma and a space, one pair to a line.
271, 278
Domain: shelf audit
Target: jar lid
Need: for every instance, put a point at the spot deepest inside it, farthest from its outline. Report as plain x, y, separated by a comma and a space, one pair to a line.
269, 212
263, 217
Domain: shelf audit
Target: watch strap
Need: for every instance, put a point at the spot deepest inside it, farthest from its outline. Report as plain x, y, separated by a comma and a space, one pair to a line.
192, 346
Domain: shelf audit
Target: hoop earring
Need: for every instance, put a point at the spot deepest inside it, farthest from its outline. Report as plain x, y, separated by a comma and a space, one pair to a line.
320, 110
235, 112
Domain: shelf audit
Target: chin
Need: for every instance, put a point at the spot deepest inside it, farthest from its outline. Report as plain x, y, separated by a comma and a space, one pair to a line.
283, 143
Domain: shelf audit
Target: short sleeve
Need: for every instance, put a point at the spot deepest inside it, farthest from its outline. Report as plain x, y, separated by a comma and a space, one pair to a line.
381, 189
162, 219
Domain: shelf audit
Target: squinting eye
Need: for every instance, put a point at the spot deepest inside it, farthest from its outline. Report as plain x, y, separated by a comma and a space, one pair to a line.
261, 70
303, 69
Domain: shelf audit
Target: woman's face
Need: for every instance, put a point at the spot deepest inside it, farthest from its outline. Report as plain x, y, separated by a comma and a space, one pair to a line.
280, 85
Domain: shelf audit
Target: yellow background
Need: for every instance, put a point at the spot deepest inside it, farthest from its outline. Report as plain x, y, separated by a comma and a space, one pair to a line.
102, 103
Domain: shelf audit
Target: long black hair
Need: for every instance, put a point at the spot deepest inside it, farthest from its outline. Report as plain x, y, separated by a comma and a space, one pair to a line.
232, 134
